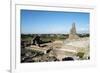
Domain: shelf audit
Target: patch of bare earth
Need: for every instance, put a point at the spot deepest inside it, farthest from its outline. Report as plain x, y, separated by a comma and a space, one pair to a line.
60, 49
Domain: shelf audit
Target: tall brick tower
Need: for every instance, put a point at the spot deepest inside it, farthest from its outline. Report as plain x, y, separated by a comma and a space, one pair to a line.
73, 33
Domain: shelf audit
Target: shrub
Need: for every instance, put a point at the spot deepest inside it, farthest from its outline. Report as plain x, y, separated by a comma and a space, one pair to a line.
80, 54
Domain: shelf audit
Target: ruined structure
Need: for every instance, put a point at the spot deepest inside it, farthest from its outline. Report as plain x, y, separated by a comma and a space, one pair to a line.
73, 34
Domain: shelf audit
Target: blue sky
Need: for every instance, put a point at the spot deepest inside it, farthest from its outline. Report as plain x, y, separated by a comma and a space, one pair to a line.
48, 22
